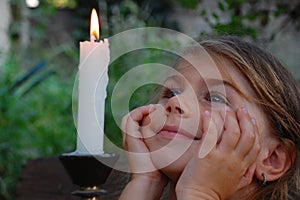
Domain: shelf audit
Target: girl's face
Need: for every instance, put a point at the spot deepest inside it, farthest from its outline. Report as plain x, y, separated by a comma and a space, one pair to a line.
195, 89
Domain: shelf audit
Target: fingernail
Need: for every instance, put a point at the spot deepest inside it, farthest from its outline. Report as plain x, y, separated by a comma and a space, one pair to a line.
253, 121
227, 108
207, 113
245, 110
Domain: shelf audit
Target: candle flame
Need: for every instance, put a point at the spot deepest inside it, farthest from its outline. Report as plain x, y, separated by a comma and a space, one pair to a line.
94, 27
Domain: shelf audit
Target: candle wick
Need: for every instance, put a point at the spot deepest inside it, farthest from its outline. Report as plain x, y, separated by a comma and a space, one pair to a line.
92, 38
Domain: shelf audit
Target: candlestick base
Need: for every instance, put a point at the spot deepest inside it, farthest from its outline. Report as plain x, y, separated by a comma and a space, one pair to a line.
89, 193
88, 172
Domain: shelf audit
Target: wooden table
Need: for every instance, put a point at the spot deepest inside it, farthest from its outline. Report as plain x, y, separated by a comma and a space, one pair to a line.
45, 178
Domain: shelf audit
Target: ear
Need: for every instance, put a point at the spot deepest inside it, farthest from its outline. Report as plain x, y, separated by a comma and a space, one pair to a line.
275, 160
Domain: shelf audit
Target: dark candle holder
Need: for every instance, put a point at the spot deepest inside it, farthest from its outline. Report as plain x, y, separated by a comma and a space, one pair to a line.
89, 172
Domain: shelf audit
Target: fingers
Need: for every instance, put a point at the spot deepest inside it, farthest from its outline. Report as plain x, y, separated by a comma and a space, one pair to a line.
241, 142
240, 134
154, 122
130, 124
136, 151
210, 135
248, 132
248, 146
231, 134
252, 154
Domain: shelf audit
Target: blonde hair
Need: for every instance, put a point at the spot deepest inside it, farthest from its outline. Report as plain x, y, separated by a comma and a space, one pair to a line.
279, 96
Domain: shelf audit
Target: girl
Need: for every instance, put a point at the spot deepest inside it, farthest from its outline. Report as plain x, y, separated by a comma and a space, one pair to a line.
225, 132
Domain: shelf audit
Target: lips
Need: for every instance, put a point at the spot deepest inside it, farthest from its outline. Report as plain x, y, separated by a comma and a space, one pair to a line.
171, 132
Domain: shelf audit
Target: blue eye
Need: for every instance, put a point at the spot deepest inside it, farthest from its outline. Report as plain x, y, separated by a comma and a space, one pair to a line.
215, 98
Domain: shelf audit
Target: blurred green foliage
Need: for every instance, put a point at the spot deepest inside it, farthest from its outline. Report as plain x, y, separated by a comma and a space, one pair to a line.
36, 119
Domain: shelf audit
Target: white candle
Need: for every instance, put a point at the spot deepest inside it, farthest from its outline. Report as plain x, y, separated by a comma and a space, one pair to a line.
93, 79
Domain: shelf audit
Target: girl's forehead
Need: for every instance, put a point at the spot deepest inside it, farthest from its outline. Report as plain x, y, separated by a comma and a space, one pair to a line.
204, 66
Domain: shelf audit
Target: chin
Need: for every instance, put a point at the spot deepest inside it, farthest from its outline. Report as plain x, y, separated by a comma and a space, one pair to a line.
175, 169
171, 156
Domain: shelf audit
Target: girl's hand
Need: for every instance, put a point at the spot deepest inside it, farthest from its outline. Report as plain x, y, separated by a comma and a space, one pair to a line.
229, 166
147, 182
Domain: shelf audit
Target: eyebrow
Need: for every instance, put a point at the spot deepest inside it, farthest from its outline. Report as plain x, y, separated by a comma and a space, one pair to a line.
213, 81
228, 84
208, 82
177, 78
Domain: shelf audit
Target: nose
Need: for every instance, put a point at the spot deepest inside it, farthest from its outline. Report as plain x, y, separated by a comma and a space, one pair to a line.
175, 106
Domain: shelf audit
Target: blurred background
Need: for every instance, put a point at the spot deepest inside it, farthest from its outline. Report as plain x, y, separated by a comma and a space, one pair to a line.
39, 55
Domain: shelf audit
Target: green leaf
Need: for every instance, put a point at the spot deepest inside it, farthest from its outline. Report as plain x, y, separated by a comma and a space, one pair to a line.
188, 3
221, 6
251, 16
215, 16
203, 12
235, 27
228, 1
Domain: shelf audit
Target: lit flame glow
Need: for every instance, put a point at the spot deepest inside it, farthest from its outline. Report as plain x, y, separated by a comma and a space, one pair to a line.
94, 27
32, 3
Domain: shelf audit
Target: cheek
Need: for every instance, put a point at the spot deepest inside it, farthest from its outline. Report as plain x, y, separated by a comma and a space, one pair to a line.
194, 126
